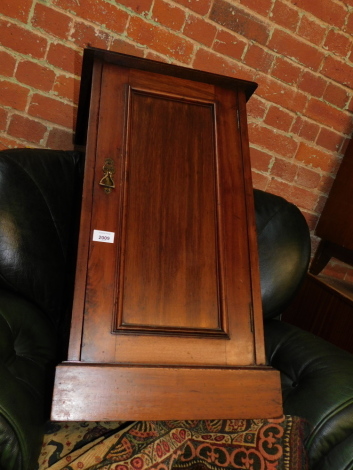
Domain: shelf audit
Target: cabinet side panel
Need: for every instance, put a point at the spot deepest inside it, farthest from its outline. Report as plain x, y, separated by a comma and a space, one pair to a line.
250, 222
74, 351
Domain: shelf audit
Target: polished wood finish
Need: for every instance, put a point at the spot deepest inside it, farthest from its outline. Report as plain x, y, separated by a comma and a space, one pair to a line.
335, 226
128, 392
170, 266
324, 307
327, 250
178, 291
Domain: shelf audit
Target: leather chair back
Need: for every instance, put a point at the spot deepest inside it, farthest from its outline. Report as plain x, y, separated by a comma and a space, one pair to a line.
38, 213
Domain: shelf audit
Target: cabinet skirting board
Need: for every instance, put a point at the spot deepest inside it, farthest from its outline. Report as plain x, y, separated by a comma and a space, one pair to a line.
91, 392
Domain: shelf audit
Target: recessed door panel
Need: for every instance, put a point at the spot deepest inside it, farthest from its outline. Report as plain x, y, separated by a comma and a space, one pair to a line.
169, 267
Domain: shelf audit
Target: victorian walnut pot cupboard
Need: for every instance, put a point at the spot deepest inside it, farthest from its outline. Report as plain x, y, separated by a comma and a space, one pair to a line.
167, 317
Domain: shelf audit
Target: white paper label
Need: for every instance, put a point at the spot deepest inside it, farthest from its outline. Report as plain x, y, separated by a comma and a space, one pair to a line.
102, 236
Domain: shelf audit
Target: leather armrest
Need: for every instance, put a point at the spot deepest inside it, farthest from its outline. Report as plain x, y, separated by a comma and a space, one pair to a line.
284, 250
27, 354
317, 384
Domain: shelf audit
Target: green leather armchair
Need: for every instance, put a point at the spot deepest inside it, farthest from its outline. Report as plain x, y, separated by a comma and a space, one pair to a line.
317, 377
39, 206
38, 209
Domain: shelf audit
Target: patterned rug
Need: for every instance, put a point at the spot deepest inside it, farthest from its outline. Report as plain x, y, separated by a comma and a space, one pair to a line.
258, 444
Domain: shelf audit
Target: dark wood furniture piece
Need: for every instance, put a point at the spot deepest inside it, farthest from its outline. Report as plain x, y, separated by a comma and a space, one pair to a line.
335, 226
167, 320
324, 306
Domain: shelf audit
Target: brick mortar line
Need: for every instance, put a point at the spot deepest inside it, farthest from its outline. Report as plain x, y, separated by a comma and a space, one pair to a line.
34, 91
259, 73
42, 141
219, 27
220, 55
61, 72
197, 46
53, 39
302, 13
189, 12
172, 60
273, 28
45, 138
262, 75
186, 9
296, 138
293, 160
48, 124
19, 57
112, 35
51, 94
255, 121
31, 94
22, 142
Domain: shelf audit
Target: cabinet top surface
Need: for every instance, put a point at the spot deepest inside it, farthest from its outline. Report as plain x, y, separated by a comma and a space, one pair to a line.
92, 55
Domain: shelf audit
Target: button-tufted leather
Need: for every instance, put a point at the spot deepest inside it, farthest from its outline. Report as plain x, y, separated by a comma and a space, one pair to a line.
317, 378
317, 383
37, 194
27, 350
38, 216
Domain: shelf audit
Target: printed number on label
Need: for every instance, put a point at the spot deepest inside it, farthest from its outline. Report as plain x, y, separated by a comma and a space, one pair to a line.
102, 236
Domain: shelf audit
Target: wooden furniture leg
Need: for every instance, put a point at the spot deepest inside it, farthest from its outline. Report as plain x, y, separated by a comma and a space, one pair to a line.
327, 250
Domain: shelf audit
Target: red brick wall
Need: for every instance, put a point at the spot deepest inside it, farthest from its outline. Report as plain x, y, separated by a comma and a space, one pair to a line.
298, 51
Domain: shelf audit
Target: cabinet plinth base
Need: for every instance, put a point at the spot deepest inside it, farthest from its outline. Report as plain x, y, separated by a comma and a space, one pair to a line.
98, 392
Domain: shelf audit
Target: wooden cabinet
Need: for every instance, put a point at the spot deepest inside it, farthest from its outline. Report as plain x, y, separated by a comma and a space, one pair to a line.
324, 305
335, 226
167, 320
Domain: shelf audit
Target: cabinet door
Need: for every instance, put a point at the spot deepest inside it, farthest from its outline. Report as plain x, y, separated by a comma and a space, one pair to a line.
175, 286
